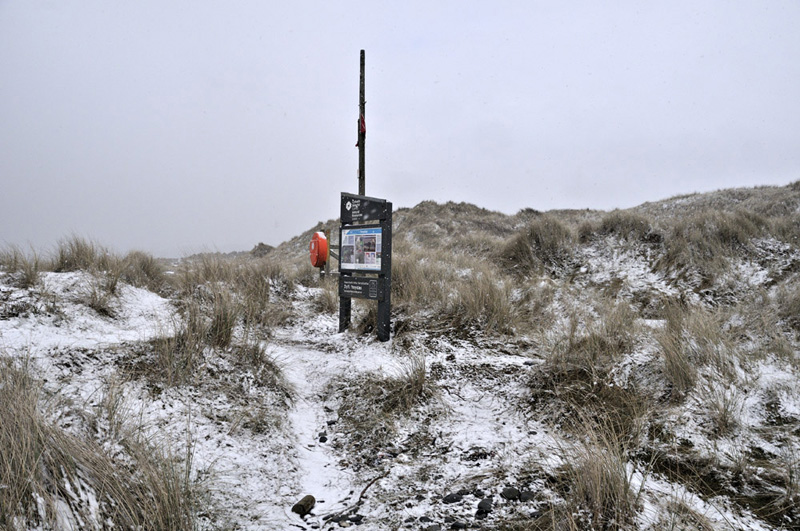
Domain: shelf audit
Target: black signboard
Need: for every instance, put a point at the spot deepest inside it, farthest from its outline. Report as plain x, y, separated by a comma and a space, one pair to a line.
356, 208
365, 249
363, 288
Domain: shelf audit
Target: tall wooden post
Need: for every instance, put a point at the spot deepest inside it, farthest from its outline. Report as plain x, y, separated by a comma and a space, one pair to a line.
345, 303
362, 132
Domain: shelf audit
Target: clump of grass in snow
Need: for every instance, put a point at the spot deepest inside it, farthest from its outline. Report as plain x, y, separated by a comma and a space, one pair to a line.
25, 269
177, 356
48, 475
224, 316
254, 284
755, 323
422, 278
327, 300
142, 270
532, 305
209, 319
483, 301
788, 301
677, 514
223, 301
594, 485
577, 377
787, 228
249, 283
452, 291
789, 466
77, 254
370, 403
600, 495
304, 274
679, 369
605, 339
10, 258
108, 270
692, 339
365, 315
267, 373
544, 246
626, 225
205, 269
481, 245
257, 369
724, 405
112, 406
107, 274
99, 296
713, 344
704, 242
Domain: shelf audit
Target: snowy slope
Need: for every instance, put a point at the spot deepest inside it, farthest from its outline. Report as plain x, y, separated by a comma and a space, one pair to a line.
474, 447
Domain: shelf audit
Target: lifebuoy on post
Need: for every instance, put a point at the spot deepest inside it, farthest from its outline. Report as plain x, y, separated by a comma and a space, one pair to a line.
318, 249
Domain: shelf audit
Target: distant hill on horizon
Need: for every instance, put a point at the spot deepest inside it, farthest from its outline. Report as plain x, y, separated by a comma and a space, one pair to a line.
432, 218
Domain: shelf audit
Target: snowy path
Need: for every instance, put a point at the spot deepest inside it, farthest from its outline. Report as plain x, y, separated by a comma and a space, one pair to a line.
318, 471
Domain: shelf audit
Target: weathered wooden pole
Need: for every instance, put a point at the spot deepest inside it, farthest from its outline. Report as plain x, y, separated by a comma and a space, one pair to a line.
345, 303
362, 132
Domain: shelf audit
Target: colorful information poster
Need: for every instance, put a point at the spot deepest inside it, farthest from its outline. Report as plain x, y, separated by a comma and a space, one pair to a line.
361, 249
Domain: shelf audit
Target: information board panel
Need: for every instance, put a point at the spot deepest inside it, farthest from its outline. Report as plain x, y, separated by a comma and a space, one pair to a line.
360, 248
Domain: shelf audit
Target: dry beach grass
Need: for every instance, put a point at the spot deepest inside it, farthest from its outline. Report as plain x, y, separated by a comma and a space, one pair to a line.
634, 369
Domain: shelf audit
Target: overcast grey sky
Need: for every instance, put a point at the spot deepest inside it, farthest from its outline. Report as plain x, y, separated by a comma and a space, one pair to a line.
177, 126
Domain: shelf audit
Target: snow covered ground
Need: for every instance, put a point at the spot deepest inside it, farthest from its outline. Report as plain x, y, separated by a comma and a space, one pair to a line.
472, 439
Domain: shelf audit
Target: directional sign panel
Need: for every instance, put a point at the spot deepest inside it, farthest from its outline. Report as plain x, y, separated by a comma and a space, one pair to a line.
357, 208
362, 288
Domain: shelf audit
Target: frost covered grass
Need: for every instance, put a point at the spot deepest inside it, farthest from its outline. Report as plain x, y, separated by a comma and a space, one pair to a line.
144, 271
694, 341
635, 369
703, 243
79, 254
626, 225
327, 300
679, 369
24, 267
452, 292
370, 405
178, 354
789, 305
420, 277
237, 291
599, 493
481, 301
215, 316
577, 380
56, 479
101, 455
544, 246
265, 370
223, 304
224, 317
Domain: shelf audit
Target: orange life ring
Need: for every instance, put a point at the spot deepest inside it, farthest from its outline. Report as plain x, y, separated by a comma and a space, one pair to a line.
318, 249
